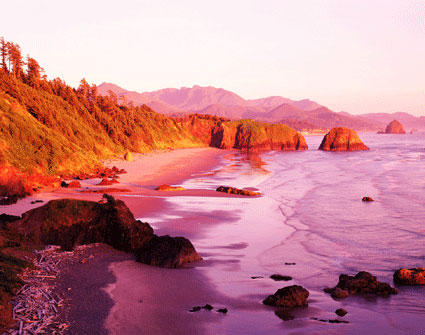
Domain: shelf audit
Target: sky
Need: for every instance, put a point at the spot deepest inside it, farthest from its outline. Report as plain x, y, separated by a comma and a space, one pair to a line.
357, 56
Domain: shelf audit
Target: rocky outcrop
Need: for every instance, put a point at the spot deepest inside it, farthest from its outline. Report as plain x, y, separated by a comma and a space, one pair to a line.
395, 127
342, 139
415, 276
74, 184
166, 187
168, 252
367, 199
233, 190
107, 182
362, 283
289, 296
245, 134
69, 223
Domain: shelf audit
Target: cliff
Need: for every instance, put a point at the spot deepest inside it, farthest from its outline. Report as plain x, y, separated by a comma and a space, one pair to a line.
342, 139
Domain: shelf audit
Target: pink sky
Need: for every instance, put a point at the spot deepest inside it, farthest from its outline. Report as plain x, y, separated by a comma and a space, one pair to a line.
350, 55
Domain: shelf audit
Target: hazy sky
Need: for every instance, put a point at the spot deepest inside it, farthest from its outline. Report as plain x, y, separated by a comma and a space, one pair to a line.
357, 56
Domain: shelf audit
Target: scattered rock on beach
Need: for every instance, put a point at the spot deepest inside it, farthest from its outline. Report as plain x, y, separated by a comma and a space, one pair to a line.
195, 309
166, 187
74, 184
367, 199
166, 251
233, 190
128, 156
330, 320
208, 307
362, 283
278, 277
222, 310
341, 312
289, 296
105, 182
290, 263
414, 276
342, 139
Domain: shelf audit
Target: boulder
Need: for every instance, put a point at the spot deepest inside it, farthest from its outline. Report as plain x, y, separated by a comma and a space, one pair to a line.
367, 199
341, 312
74, 184
69, 223
105, 182
166, 187
414, 276
342, 139
128, 156
289, 296
278, 277
233, 190
168, 252
362, 283
395, 127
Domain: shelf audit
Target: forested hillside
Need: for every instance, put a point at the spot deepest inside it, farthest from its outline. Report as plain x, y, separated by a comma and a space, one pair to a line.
48, 128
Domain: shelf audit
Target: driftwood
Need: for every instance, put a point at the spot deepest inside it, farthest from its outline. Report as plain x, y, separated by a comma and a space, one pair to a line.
35, 306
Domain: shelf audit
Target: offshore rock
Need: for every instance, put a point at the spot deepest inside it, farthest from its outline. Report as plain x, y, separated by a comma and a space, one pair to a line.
362, 283
342, 139
414, 276
395, 127
289, 296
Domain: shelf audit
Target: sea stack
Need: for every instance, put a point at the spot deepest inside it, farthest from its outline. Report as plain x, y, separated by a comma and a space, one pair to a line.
342, 139
395, 127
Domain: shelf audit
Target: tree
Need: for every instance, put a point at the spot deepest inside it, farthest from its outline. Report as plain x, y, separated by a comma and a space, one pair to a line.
15, 58
3, 53
34, 71
84, 88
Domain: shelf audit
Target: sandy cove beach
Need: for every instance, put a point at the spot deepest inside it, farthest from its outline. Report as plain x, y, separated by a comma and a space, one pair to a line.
91, 287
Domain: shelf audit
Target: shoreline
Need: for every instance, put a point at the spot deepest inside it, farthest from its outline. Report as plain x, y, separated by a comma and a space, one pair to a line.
83, 284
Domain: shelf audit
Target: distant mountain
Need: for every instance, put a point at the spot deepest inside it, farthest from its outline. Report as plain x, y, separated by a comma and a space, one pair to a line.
204, 100
217, 101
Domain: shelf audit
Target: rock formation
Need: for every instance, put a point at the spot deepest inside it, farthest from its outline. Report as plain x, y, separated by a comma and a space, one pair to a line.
415, 276
395, 127
166, 187
234, 190
342, 139
69, 223
289, 296
363, 282
367, 199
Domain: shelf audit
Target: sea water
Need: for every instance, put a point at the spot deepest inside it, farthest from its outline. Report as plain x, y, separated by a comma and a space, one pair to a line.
311, 224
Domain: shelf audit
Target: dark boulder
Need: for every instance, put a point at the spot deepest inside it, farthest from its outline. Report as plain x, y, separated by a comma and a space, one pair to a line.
362, 283
166, 251
69, 223
234, 190
341, 312
278, 277
367, 199
289, 296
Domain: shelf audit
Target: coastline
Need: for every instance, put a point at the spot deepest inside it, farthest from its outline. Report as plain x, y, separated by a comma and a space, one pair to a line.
83, 284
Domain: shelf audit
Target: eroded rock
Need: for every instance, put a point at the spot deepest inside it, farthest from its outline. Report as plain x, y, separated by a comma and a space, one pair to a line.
168, 252
362, 283
166, 187
234, 190
289, 296
342, 139
414, 276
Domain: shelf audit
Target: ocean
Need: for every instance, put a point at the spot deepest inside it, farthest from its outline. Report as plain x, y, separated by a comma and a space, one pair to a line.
311, 224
